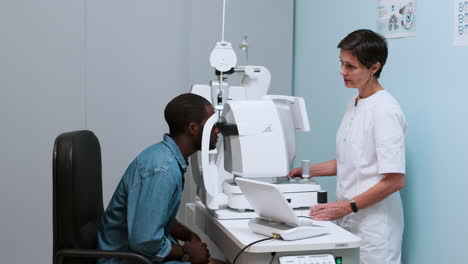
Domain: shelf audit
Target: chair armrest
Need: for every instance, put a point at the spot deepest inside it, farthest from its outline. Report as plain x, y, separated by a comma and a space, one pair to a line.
89, 253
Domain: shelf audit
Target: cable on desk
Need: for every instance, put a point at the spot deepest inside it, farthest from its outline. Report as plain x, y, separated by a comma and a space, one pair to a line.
273, 255
255, 242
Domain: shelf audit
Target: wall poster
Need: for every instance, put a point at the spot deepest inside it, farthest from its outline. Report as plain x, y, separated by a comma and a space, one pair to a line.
461, 23
396, 18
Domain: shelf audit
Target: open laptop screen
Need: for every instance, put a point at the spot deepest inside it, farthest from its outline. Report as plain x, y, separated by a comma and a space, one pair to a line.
268, 201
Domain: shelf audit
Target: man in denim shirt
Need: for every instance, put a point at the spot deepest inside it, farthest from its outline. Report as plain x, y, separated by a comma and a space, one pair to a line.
141, 214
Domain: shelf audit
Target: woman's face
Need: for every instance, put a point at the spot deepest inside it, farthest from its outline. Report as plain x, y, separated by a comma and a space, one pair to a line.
355, 75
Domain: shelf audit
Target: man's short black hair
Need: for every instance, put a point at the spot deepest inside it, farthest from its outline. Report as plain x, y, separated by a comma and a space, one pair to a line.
368, 47
184, 109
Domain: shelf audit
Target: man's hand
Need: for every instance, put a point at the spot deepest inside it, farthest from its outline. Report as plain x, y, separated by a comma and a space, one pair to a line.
198, 252
194, 237
330, 211
181, 232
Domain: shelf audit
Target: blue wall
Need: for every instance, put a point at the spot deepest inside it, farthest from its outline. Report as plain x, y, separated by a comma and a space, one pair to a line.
429, 77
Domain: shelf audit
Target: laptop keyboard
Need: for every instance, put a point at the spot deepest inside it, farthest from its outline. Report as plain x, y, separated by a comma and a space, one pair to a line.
276, 225
302, 222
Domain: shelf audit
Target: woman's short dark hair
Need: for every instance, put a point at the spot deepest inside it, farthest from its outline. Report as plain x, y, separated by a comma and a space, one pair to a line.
184, 109
368, 47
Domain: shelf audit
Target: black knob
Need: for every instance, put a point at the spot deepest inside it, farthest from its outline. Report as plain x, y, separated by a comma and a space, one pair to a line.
322, 197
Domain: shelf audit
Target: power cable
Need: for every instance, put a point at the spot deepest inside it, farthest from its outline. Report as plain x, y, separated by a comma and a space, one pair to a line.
255, 242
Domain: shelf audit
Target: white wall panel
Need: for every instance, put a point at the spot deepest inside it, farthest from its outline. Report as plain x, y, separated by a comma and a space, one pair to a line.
40, 96
136, 63
109, 66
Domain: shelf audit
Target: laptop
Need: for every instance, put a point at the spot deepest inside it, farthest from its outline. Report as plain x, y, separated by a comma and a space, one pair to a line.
276, 216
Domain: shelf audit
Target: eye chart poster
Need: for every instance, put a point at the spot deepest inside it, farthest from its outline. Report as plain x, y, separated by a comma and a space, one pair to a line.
396, 18
461, 23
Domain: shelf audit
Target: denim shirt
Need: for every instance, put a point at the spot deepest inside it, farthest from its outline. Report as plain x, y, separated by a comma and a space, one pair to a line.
145, 203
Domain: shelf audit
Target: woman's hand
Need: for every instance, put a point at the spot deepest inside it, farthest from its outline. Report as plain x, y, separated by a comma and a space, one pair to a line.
297, 172
330, 211
327, 168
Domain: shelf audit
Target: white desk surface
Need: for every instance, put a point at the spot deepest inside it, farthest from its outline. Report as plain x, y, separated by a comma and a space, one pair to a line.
238, 231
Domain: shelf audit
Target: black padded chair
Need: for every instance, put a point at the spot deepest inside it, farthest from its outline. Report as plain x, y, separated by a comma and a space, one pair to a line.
77, 201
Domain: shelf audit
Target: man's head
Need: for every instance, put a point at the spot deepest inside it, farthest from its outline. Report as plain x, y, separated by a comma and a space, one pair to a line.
186, 115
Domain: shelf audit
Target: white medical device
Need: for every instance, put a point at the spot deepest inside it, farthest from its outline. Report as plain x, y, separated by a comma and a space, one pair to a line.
308, 259
258, 141
276, 217
258, 137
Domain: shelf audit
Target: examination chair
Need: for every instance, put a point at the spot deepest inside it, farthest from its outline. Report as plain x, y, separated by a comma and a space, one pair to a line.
77, 201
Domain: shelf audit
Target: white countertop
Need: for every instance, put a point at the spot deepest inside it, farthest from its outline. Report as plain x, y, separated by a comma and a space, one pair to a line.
238, 231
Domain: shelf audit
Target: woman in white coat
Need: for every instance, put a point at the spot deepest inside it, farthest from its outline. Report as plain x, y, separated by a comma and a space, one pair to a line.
370, 155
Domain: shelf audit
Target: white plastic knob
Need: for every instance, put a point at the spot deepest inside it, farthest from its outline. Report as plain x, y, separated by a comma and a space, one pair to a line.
223, 57
305, 168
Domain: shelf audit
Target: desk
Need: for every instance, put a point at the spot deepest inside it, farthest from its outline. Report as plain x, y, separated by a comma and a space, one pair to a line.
230, 236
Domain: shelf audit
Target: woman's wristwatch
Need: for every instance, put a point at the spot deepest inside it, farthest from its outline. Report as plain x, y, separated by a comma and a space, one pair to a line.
353, 206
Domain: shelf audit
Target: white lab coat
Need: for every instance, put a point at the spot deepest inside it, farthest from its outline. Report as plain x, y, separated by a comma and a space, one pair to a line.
369, 143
